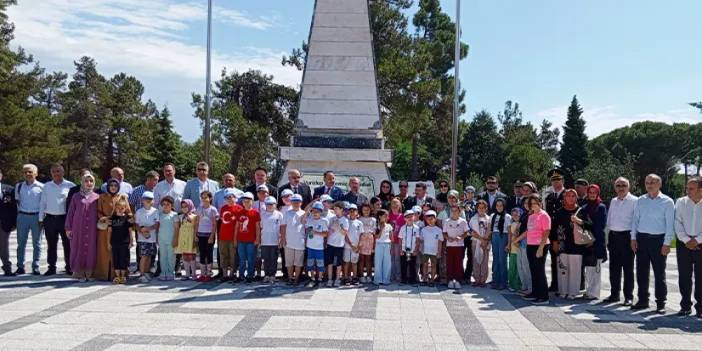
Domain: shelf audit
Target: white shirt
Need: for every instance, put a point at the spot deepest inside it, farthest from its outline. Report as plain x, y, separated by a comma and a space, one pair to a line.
430, 237
270, 227
294, 230
455, 228
408, 236
316, 242
621, 213
53, 198
369, 224
688, 219
336, 236
146, 218
385, 234
259, 206
176, 189
355, 231
480, 225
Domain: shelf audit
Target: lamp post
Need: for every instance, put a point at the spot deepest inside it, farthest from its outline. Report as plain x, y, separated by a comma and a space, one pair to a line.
456, 90
208, 90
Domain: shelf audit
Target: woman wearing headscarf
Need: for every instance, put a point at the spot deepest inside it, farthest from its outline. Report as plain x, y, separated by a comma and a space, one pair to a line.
385, 195
105, 208
81, 220
499, 222
597, 254
570, 254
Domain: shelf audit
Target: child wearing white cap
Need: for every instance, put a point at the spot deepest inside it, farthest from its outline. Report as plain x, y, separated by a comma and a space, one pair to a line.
351, 249
271, 220
293, 239
316, 229
431, 237
146, 219
409, 236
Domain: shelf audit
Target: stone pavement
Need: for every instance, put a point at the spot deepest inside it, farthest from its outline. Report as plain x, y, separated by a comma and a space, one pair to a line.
38, 313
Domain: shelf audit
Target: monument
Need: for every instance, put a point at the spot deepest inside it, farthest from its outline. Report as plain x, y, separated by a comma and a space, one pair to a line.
338, 125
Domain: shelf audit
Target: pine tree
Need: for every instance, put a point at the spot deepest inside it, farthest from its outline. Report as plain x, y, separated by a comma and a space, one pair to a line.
165, 145
573, 156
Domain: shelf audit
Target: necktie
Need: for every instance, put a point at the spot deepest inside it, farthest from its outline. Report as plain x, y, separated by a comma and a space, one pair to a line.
327, 191
295, 189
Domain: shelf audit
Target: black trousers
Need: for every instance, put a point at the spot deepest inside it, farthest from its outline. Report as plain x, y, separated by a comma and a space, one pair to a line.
408, 269
281, 253
554, 268
54, 227
647, 256
689, 262
621, 259
468, 271
537, 267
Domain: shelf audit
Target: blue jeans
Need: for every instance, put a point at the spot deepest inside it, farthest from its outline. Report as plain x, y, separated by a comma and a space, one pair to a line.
499, 259
382, 263
25, 223
247, 259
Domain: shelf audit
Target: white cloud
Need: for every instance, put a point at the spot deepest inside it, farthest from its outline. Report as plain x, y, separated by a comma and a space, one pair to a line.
603, 119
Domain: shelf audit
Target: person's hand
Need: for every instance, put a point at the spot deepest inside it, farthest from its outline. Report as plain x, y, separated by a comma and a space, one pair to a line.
692, 244
507, 248
174, 243
665, 250
41, 224
257, 242
540, 252
402, 253
576, 220
634, 246
147, 235
69, 234
131, 244
109, 247
210, 240
590, 245
196, 239
556, 246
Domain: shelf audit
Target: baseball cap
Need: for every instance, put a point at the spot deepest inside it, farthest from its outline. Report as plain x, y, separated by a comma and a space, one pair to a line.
147, 195
416, 209
430, 213
296, 198
325, 198
286, 192
229, 192
318, 206
409, 213
247, 195
270, 201
470, 189
352, 207
262, 187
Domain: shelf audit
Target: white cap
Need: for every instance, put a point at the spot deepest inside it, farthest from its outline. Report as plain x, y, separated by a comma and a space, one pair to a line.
270, 200
286, 192
430, 213
247, 195
262, 187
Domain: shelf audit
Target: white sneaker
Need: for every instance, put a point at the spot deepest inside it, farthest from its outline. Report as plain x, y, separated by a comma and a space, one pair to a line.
451, 284
329, 283
457, 285
143, 279
273, 280
337, 282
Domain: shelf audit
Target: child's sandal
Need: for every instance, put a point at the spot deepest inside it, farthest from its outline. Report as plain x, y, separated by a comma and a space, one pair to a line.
116, 280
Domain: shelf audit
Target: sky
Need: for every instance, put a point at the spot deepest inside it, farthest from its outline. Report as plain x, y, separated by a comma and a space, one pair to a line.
626, 60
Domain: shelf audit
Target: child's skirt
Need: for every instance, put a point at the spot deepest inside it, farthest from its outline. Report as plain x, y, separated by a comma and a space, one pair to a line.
366, 244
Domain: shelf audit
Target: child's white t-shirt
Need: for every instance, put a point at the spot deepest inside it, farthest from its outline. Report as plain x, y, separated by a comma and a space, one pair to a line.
455, 228
294, 230
369, 224
316, 242
480, 224
270, 227
355, 231
146, 218
385, 233
408, 236
431, 236
336, 237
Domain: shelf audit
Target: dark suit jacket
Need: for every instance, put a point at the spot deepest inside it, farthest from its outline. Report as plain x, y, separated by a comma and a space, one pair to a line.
302, 189
512, 203
336, 193
8, 207
272, 190
486, 197
411, 201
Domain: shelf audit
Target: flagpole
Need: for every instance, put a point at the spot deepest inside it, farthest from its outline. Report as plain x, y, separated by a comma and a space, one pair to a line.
208, 91
456, 90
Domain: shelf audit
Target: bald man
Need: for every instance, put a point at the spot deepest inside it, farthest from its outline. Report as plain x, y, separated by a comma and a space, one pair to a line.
124, 187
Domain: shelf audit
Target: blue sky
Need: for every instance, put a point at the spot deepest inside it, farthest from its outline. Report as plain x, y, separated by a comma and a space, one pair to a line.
627, 60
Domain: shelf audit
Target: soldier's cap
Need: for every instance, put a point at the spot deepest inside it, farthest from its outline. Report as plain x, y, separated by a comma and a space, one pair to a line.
581, 181
556, 174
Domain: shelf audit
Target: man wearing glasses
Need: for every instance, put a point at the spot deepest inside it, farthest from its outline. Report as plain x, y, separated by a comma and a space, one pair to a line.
420, 197
297, 186
196, 186
621, 258
491, 193
404, 192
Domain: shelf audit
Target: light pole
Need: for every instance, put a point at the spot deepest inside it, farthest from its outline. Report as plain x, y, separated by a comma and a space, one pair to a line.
456, 90
208, 90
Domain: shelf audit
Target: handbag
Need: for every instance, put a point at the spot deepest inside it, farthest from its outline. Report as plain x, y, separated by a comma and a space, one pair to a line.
581, 236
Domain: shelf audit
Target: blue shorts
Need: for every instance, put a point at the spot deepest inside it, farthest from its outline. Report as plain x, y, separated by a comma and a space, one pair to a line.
315, 258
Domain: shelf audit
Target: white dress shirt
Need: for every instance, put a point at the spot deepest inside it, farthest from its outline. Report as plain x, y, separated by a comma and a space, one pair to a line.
621, 213
176, 189
688, 219
53, 198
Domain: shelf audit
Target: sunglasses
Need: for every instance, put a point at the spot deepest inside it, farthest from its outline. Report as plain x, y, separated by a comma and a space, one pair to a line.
201, 170
620, 185
492, 182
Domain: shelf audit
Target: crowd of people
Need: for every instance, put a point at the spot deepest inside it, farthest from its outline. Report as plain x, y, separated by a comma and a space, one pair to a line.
328, 236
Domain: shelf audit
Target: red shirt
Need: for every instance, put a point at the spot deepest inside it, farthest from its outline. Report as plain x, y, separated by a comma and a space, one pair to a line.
228, 219
246, 220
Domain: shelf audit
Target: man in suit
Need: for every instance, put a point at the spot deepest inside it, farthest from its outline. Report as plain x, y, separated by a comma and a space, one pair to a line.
297, 186
553, 202
8, 220
354, 196
329, 188
581, 188
491, 193
196, 186
261, 178
516, 199
420, 197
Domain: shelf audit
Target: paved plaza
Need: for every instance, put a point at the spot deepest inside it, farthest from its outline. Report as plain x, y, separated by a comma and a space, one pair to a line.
38, 313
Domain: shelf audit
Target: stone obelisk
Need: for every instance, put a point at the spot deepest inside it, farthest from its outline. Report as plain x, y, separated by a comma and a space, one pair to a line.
338, 125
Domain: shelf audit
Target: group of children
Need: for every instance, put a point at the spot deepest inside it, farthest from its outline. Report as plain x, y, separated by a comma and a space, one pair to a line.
329, 240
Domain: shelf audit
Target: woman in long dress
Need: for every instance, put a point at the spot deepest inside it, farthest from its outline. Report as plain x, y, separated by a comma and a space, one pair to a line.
81, 228
105, 208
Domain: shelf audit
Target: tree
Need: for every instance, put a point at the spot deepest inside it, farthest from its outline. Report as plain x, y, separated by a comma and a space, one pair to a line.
573, 157
605, 168
165, 145
479, 148
548, 138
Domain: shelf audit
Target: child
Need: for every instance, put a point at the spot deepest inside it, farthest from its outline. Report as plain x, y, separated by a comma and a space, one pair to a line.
480, 233
455, 231
431, 237
168, 226
513, 278
260, 206
285, 197
293, 239
366, 244
382, 262
207, 217
271, 220
185, 237
334, 253
409, 234
500, 222
522, 259
247, 235
316, 229
147, 224
397, 220
351, 250
228, 260
120, 240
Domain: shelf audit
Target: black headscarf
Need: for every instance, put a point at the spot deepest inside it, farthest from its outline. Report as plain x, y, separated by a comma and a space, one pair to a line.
502, 214
107, 186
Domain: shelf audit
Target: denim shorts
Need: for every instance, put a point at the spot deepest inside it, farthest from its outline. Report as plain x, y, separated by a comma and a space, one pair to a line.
315, 258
